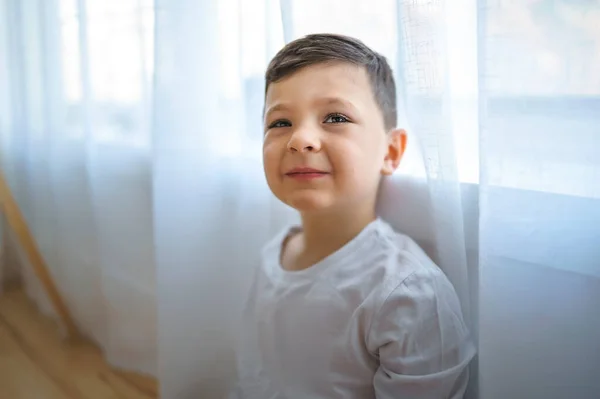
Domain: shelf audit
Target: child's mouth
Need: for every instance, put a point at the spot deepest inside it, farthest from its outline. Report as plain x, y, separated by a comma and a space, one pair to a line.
306, 173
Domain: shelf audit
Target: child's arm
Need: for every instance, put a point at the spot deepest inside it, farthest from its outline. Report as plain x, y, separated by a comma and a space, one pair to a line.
422, 341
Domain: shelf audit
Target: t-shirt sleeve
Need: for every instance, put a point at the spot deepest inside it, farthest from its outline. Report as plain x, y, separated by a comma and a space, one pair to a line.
421, 340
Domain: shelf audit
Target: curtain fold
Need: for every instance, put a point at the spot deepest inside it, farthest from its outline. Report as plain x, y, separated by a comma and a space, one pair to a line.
212, 208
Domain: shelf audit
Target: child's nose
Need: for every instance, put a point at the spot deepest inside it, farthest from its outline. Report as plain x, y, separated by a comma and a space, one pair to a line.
303, 140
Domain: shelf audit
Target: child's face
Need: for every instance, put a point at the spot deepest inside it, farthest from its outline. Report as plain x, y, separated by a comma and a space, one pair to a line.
325, 143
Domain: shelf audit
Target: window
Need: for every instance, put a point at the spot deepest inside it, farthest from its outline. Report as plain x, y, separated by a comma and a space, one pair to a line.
543, 95
107, 63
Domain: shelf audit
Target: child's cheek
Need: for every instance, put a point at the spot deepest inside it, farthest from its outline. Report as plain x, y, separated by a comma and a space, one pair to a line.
355, 167
271, 159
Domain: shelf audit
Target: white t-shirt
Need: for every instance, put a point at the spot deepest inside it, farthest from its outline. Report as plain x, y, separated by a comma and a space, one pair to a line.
376, 319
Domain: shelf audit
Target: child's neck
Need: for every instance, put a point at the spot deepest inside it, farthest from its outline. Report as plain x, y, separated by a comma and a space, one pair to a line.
324, 233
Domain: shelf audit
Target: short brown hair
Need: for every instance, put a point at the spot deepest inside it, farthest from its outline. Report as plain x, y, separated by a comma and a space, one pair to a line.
322, 48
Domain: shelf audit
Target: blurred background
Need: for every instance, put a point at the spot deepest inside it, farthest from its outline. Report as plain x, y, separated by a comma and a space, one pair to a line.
131, 134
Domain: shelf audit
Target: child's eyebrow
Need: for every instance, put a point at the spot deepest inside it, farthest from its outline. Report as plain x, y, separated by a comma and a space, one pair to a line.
337, 101
276, 107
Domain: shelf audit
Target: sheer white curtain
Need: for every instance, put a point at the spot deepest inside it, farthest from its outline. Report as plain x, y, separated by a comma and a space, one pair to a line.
131, 136
74, 89
213, 210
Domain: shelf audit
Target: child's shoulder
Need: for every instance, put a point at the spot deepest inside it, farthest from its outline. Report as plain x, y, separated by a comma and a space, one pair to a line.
378, 259
402, 265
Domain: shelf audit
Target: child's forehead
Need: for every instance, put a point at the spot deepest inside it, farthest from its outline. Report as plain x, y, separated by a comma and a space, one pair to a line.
322, 84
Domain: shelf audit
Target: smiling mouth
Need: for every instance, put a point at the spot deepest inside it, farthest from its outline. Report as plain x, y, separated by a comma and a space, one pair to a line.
306, 174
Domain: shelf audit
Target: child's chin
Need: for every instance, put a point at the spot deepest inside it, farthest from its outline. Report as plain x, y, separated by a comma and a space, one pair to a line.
309, 203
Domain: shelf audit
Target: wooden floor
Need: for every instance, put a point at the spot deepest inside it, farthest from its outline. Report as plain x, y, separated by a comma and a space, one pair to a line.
35, 363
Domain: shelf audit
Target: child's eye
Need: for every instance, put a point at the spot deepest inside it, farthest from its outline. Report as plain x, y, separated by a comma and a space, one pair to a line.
336, 118
280, 123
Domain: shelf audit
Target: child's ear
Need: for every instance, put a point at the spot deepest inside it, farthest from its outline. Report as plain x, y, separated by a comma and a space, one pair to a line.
396, 144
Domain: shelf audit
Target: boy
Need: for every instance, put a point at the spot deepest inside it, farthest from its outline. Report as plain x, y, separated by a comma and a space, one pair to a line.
343, 306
